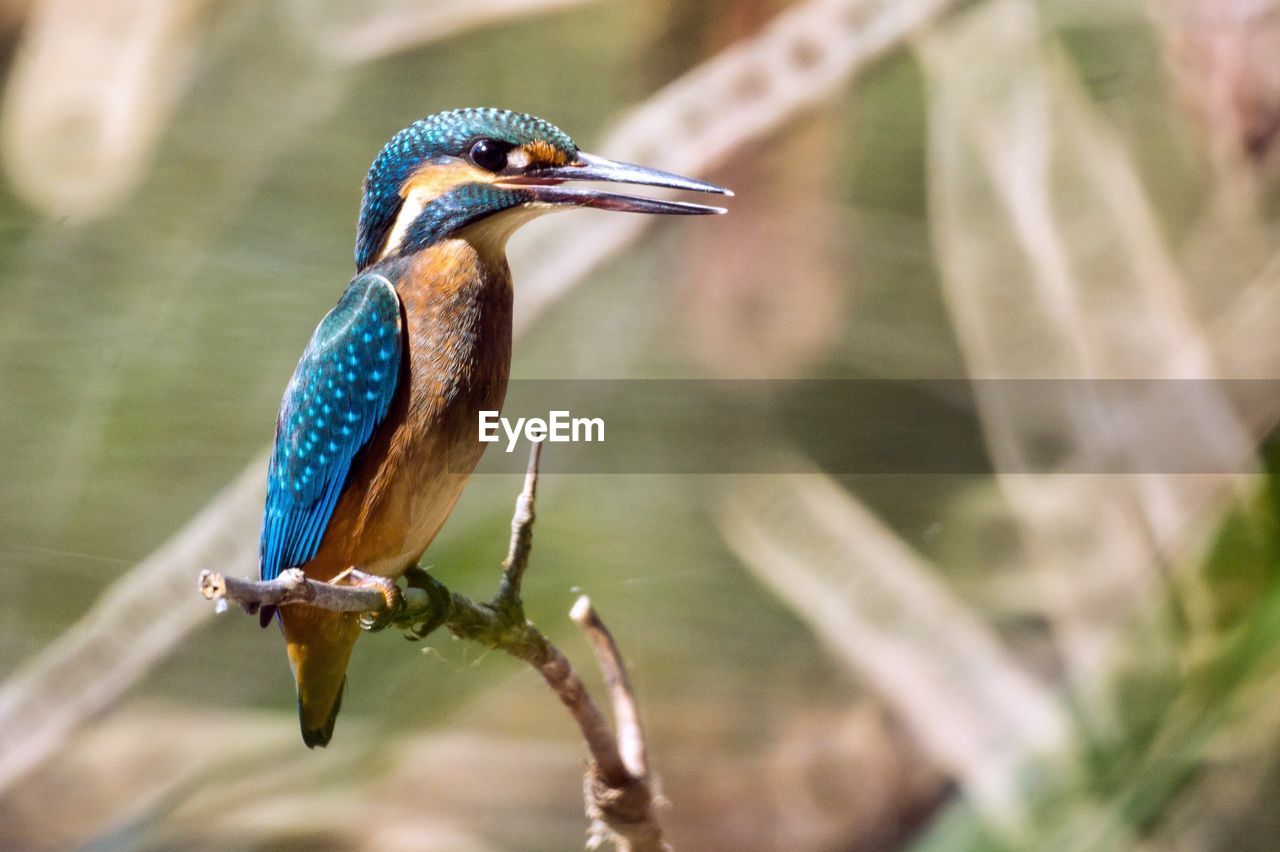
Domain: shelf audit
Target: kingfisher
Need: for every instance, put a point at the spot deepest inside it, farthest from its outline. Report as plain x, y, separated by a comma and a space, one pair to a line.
378, 430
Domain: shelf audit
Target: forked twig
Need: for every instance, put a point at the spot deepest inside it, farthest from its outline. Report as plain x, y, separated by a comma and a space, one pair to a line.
624, 810
619, 798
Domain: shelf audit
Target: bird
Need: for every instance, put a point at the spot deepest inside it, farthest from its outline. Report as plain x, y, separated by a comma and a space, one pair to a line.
377, 431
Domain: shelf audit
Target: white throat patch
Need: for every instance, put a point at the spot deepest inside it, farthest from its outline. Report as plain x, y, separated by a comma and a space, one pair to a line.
411, 208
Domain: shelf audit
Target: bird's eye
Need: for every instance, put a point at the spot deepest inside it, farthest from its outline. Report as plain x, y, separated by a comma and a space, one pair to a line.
489, 154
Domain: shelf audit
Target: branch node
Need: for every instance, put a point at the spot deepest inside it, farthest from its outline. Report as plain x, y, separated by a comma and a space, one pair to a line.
623, 814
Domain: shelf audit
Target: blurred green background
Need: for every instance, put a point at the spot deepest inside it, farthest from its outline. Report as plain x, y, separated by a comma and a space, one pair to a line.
925, 189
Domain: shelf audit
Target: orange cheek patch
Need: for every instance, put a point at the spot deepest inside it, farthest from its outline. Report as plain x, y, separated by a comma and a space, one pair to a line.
423, 187
435, 179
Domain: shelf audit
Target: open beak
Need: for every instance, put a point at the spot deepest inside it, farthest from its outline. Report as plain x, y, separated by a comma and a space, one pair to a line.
545, 185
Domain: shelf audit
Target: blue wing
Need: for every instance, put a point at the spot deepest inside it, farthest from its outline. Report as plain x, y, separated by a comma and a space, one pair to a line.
337, 397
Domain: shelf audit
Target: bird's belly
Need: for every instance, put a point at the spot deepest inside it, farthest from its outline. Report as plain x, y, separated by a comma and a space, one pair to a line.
407, 519
409, 496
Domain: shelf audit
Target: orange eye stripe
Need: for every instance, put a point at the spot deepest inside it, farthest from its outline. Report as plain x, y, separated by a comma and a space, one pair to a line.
544, 153
434, 180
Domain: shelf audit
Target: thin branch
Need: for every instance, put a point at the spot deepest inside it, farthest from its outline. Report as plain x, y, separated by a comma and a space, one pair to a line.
619, 800
503, 626
623, 811
517, 560
626, 715
291, 587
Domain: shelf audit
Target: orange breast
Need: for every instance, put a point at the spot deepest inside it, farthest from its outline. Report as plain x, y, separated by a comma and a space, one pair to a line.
404, 484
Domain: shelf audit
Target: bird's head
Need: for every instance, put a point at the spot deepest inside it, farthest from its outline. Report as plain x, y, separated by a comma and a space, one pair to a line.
490, 170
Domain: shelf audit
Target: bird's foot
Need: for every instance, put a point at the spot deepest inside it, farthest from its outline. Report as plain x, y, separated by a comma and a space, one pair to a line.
393, 599
428, 616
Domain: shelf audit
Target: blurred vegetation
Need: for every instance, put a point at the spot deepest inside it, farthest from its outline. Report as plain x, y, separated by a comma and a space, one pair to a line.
148, 325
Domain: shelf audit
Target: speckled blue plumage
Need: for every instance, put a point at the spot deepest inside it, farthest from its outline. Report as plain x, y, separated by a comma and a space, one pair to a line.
344, 384
339, 393
445, 134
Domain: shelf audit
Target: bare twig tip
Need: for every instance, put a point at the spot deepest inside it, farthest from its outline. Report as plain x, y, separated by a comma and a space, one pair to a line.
212, 586
581, 611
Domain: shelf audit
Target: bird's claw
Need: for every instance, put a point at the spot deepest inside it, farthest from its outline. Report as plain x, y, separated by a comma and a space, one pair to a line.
393, 599
435, 612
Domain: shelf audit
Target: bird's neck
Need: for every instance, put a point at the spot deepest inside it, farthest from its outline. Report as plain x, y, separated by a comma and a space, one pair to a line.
483, 215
